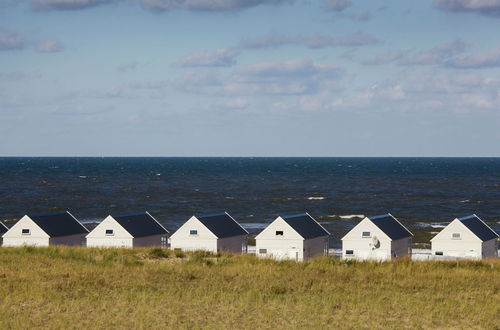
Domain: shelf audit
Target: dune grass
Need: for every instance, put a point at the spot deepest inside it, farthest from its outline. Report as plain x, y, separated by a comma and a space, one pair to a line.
62, 287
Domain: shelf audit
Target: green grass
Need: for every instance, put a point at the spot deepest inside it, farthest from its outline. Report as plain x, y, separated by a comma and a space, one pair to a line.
60, 287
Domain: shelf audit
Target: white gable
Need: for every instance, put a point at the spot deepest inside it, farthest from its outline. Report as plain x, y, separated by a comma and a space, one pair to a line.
455, 227
365, 225
34, 235
25, 223
278, 225
193, 224
109, 224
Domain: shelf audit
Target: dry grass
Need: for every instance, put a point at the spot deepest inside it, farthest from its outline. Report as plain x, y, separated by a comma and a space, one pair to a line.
151, 288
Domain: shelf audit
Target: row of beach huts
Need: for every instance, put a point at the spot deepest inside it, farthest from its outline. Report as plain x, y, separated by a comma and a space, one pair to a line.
296, 237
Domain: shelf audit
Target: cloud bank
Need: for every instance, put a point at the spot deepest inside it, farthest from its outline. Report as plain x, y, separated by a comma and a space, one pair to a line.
488, 59
206, 5
337, 5
49, 46
484, 7
314, 41
67, 4
438, 54
10, 40
219, 58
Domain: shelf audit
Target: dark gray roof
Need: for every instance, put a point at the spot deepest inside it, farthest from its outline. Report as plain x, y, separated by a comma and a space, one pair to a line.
222, 225
478, 227
140, 224
3, 228
58, 224
305, 225
390, 226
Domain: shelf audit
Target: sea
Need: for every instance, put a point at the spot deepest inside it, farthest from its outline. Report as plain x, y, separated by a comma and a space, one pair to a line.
423, 193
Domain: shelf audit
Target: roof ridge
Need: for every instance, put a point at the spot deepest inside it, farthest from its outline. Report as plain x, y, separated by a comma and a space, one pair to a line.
129, 214
467, 217
381, 216
295, 215
211, 215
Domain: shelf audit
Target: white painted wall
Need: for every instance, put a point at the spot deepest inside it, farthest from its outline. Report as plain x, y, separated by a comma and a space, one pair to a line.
204, 240
290, 245
120, 238
363, 246
14, 236
468, 246
235, 244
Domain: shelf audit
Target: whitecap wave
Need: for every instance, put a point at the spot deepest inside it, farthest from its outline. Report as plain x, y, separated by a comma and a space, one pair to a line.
316, 198
432, 224
350, 216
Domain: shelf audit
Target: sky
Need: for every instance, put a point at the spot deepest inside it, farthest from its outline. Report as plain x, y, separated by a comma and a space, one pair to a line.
307, 78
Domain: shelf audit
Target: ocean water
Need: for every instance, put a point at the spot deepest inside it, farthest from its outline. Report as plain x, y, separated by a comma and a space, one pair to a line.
424, 193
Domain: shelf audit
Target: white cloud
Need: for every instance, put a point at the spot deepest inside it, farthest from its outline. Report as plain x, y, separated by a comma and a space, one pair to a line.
431, 91
314, 41
385, 58
438, 54
218, 58
67, 4
294, 77
485, 7
478, 61
10, 40
49, 46
130, 66
206, 5
337, 5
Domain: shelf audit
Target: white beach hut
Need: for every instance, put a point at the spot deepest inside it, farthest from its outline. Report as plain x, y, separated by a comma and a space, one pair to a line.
466, 237
3, 230
130, 230
380, 238
59, 228
215, 232
296, 237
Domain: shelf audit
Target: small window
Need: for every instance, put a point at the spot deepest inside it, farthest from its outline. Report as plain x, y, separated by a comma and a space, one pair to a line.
349, 252
25, 231
439, 253
193, 232
279, 232
366, 234
455, 236
263, 251
110, 232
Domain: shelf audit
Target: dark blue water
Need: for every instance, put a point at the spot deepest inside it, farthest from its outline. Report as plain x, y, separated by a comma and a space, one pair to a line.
418, 191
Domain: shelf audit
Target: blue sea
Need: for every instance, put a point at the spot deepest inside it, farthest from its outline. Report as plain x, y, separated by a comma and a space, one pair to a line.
424, 193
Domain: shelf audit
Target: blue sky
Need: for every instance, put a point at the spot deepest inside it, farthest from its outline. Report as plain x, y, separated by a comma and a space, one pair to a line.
249, 78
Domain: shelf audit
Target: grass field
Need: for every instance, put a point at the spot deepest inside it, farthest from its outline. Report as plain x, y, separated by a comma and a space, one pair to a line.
61, 287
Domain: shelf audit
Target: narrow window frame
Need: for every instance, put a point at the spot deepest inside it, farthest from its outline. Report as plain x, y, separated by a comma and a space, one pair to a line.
193, 232
280, 233
349, 252
109, 232
25, 231
366, 234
